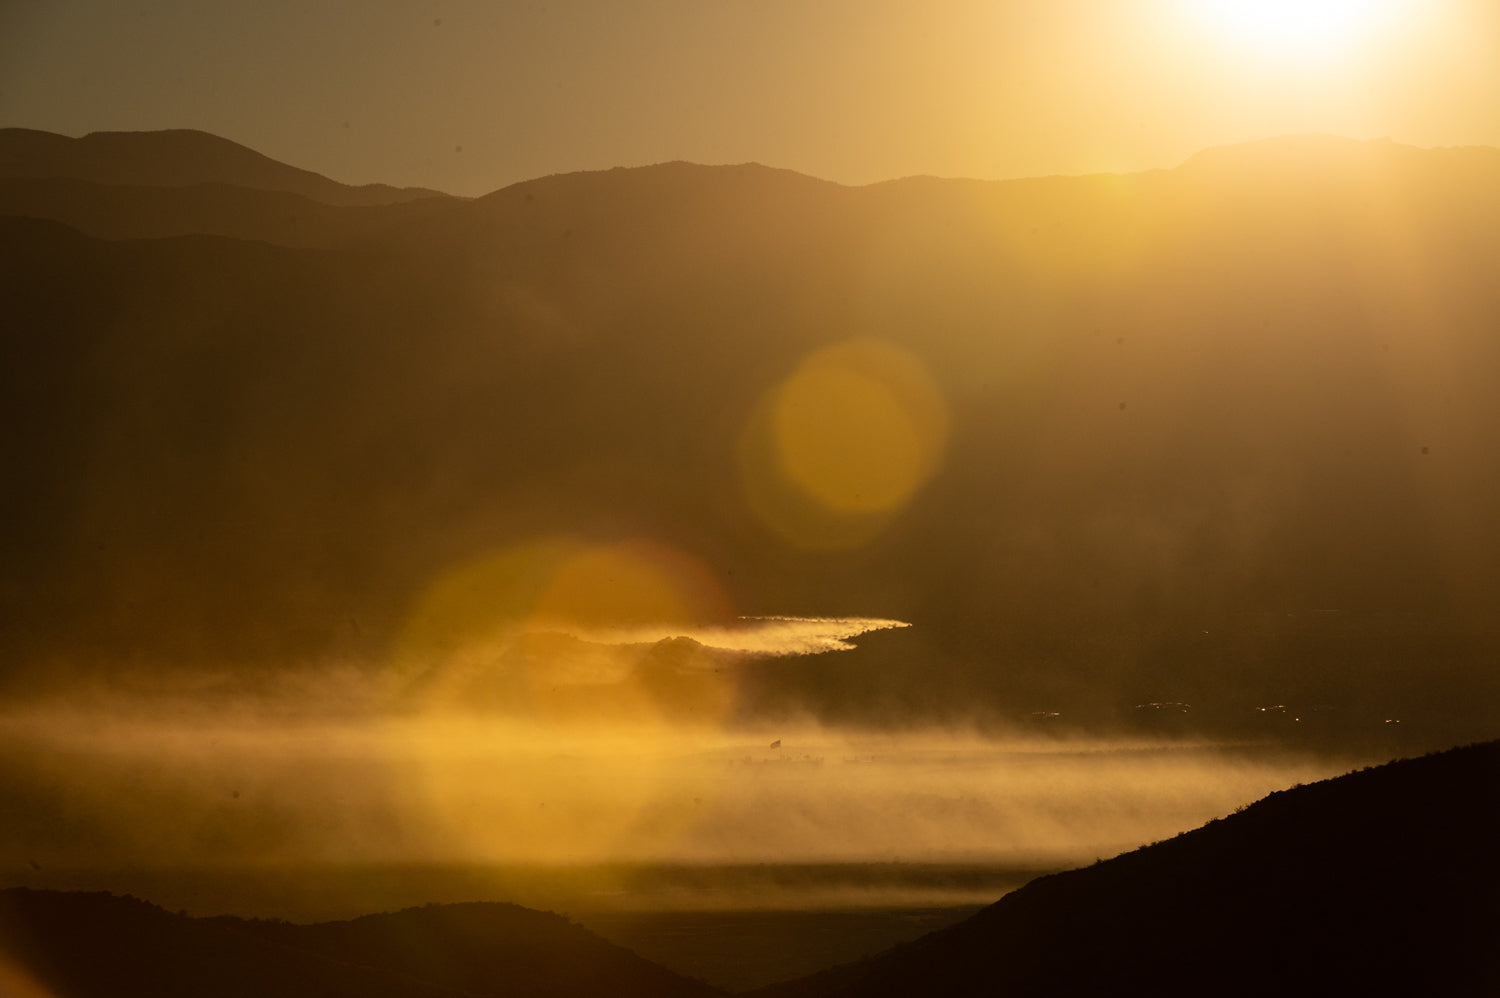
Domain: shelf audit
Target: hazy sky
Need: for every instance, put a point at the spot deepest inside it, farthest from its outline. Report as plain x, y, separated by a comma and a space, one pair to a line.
469, 96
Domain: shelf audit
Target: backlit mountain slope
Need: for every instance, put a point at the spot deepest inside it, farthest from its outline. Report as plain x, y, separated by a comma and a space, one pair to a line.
1223, 434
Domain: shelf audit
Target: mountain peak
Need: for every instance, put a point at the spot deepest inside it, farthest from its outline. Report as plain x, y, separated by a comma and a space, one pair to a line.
178, 157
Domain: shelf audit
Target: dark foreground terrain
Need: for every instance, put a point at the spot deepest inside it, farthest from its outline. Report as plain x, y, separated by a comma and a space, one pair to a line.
743, 950
1384, 881
76, 945
1381, 882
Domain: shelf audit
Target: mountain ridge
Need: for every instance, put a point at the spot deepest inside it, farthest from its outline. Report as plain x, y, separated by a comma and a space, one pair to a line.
178, 157
100, 944
61, 177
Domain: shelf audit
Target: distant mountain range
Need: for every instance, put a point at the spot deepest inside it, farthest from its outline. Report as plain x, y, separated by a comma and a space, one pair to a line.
1381, 882
79, 945
134, 185
1222, 435
176, 158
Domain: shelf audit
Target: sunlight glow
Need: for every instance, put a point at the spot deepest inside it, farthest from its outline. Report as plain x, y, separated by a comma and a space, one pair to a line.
1301, 28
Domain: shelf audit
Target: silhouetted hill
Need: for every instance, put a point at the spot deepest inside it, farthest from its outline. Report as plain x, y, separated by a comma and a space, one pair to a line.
176, 158
117, 211
1381, 882
83, 945
1222, 434
1331, 156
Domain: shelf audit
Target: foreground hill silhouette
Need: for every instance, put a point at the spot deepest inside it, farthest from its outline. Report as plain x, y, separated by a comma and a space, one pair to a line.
1222, 434
1381, 882
85, 945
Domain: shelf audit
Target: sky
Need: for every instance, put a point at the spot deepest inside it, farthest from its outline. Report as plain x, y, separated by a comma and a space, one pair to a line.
468, 97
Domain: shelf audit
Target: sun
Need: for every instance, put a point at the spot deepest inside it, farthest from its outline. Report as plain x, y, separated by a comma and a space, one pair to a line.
1296, 28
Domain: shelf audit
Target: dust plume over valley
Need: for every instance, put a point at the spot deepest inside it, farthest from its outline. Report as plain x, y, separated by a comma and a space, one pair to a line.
117, 791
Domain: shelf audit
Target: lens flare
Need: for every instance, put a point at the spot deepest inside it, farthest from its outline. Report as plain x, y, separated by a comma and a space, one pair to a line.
517, 683
630, 584
532, 631
839, 448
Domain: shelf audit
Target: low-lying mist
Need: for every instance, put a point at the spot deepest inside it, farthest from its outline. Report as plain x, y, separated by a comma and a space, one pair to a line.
336, 776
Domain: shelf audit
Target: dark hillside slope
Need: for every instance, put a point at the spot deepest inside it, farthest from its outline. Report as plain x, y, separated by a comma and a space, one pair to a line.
177, 157
1381, 882
85, 945
121, 211
481, 949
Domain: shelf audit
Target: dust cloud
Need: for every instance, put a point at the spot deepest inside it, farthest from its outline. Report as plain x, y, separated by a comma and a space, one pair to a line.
164, 784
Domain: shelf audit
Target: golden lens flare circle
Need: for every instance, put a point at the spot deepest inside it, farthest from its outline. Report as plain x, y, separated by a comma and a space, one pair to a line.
562, 632
845, 438
542, 702
841, 445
